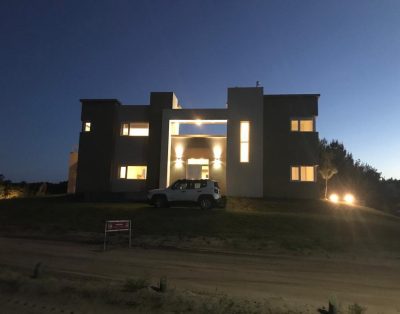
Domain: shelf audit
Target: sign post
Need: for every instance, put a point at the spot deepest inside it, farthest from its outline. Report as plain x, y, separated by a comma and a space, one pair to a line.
117, 226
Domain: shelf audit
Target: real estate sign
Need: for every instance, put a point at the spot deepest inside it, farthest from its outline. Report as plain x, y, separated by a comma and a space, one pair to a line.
116, 226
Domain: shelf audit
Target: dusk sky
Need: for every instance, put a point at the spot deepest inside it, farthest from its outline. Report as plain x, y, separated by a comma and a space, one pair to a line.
53, 53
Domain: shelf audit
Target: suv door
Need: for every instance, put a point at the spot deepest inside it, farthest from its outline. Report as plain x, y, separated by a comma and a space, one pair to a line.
179, 191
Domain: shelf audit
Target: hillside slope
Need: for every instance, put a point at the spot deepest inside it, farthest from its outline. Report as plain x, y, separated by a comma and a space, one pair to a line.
248, 224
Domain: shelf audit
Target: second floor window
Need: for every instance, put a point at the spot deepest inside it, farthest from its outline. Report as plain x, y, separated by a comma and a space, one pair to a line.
302, 125
135, 129
87, 126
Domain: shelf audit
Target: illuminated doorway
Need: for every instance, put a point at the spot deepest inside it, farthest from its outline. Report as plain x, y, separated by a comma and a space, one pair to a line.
197, 168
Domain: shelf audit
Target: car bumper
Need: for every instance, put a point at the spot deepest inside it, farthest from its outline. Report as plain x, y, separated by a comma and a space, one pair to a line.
221, 202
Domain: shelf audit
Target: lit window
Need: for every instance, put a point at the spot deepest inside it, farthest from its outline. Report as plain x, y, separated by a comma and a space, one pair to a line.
244, 141
302, 125
295, 174
87, 126
135, 129
133, 172
303, 173
125, 129
122, 173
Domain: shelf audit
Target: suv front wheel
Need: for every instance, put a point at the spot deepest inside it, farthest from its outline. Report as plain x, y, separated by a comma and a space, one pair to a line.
206, 202
159, 201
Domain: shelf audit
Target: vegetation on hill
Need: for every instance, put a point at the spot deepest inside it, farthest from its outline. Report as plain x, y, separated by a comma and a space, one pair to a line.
361, 179
250, 224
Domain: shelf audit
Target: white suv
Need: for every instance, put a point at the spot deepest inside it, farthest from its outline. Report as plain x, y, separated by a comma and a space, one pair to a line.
205, 193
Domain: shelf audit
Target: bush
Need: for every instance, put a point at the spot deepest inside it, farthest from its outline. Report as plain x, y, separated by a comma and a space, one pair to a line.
135, 284
356, 309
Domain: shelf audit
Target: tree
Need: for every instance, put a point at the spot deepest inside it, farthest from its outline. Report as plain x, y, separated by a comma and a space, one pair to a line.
327, 169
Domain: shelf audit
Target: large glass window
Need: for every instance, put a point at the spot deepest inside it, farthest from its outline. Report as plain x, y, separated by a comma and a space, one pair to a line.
302, 173
302, 125
133, 172
135, 129
244, 141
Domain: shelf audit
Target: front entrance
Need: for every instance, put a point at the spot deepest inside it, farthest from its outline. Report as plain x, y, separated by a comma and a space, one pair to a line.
197, 168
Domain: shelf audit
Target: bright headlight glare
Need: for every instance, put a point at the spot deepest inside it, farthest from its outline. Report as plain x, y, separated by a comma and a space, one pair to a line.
334, 198
349, 198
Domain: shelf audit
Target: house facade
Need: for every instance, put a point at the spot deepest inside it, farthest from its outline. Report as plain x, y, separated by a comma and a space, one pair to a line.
269, 147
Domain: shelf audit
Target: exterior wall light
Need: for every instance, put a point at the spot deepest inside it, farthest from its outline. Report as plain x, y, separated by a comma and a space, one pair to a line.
217, 163
179, 162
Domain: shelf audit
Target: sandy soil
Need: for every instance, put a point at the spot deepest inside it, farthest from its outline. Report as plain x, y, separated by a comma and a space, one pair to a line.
373, 282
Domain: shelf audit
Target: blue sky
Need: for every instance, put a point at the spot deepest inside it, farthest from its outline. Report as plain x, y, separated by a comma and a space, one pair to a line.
55, 52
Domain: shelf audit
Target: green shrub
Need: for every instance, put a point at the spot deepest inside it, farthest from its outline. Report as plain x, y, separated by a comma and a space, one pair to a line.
135, 284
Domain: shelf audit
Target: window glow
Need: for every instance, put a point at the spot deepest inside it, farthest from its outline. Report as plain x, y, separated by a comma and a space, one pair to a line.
197, 161
334, 198
306, 126
135, 129
87, 126
244, 141
302, 173
295, 174
122, 173
302, 125
294, 125
125, 129
204, 172
133, 172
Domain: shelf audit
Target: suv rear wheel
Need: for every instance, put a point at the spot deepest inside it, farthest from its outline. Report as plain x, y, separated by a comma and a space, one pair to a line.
206, 202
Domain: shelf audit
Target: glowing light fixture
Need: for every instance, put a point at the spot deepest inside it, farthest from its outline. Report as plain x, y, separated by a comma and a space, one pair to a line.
334, 198
179, 163
349, 198
199, 122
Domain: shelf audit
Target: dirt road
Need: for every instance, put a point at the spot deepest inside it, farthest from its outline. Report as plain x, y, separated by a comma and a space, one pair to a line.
304, 280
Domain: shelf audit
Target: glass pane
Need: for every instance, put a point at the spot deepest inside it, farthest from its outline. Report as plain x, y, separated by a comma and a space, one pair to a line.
139, 129
306, 126
244, 131
295, 174
125, 129
136, 172
307, 174
294, 125
244, 152
122, 173
87, 126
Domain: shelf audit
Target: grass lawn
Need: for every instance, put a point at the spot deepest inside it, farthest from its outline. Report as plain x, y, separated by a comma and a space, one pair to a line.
297, 226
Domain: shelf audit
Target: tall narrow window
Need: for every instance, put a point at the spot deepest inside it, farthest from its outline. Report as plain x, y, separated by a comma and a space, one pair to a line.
302, 173
244, 141
135, 129
133, 172
87, 126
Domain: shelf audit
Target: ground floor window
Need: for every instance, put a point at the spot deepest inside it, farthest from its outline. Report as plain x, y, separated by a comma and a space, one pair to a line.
133, 172
302, 173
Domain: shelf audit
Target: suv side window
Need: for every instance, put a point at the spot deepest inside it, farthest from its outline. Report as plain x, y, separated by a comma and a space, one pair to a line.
203, 183
180, 185
196, 184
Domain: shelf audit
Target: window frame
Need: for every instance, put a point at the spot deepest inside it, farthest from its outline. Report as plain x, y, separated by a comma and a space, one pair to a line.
298, 122
131, 127
126, 167
299, 172
85, 124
